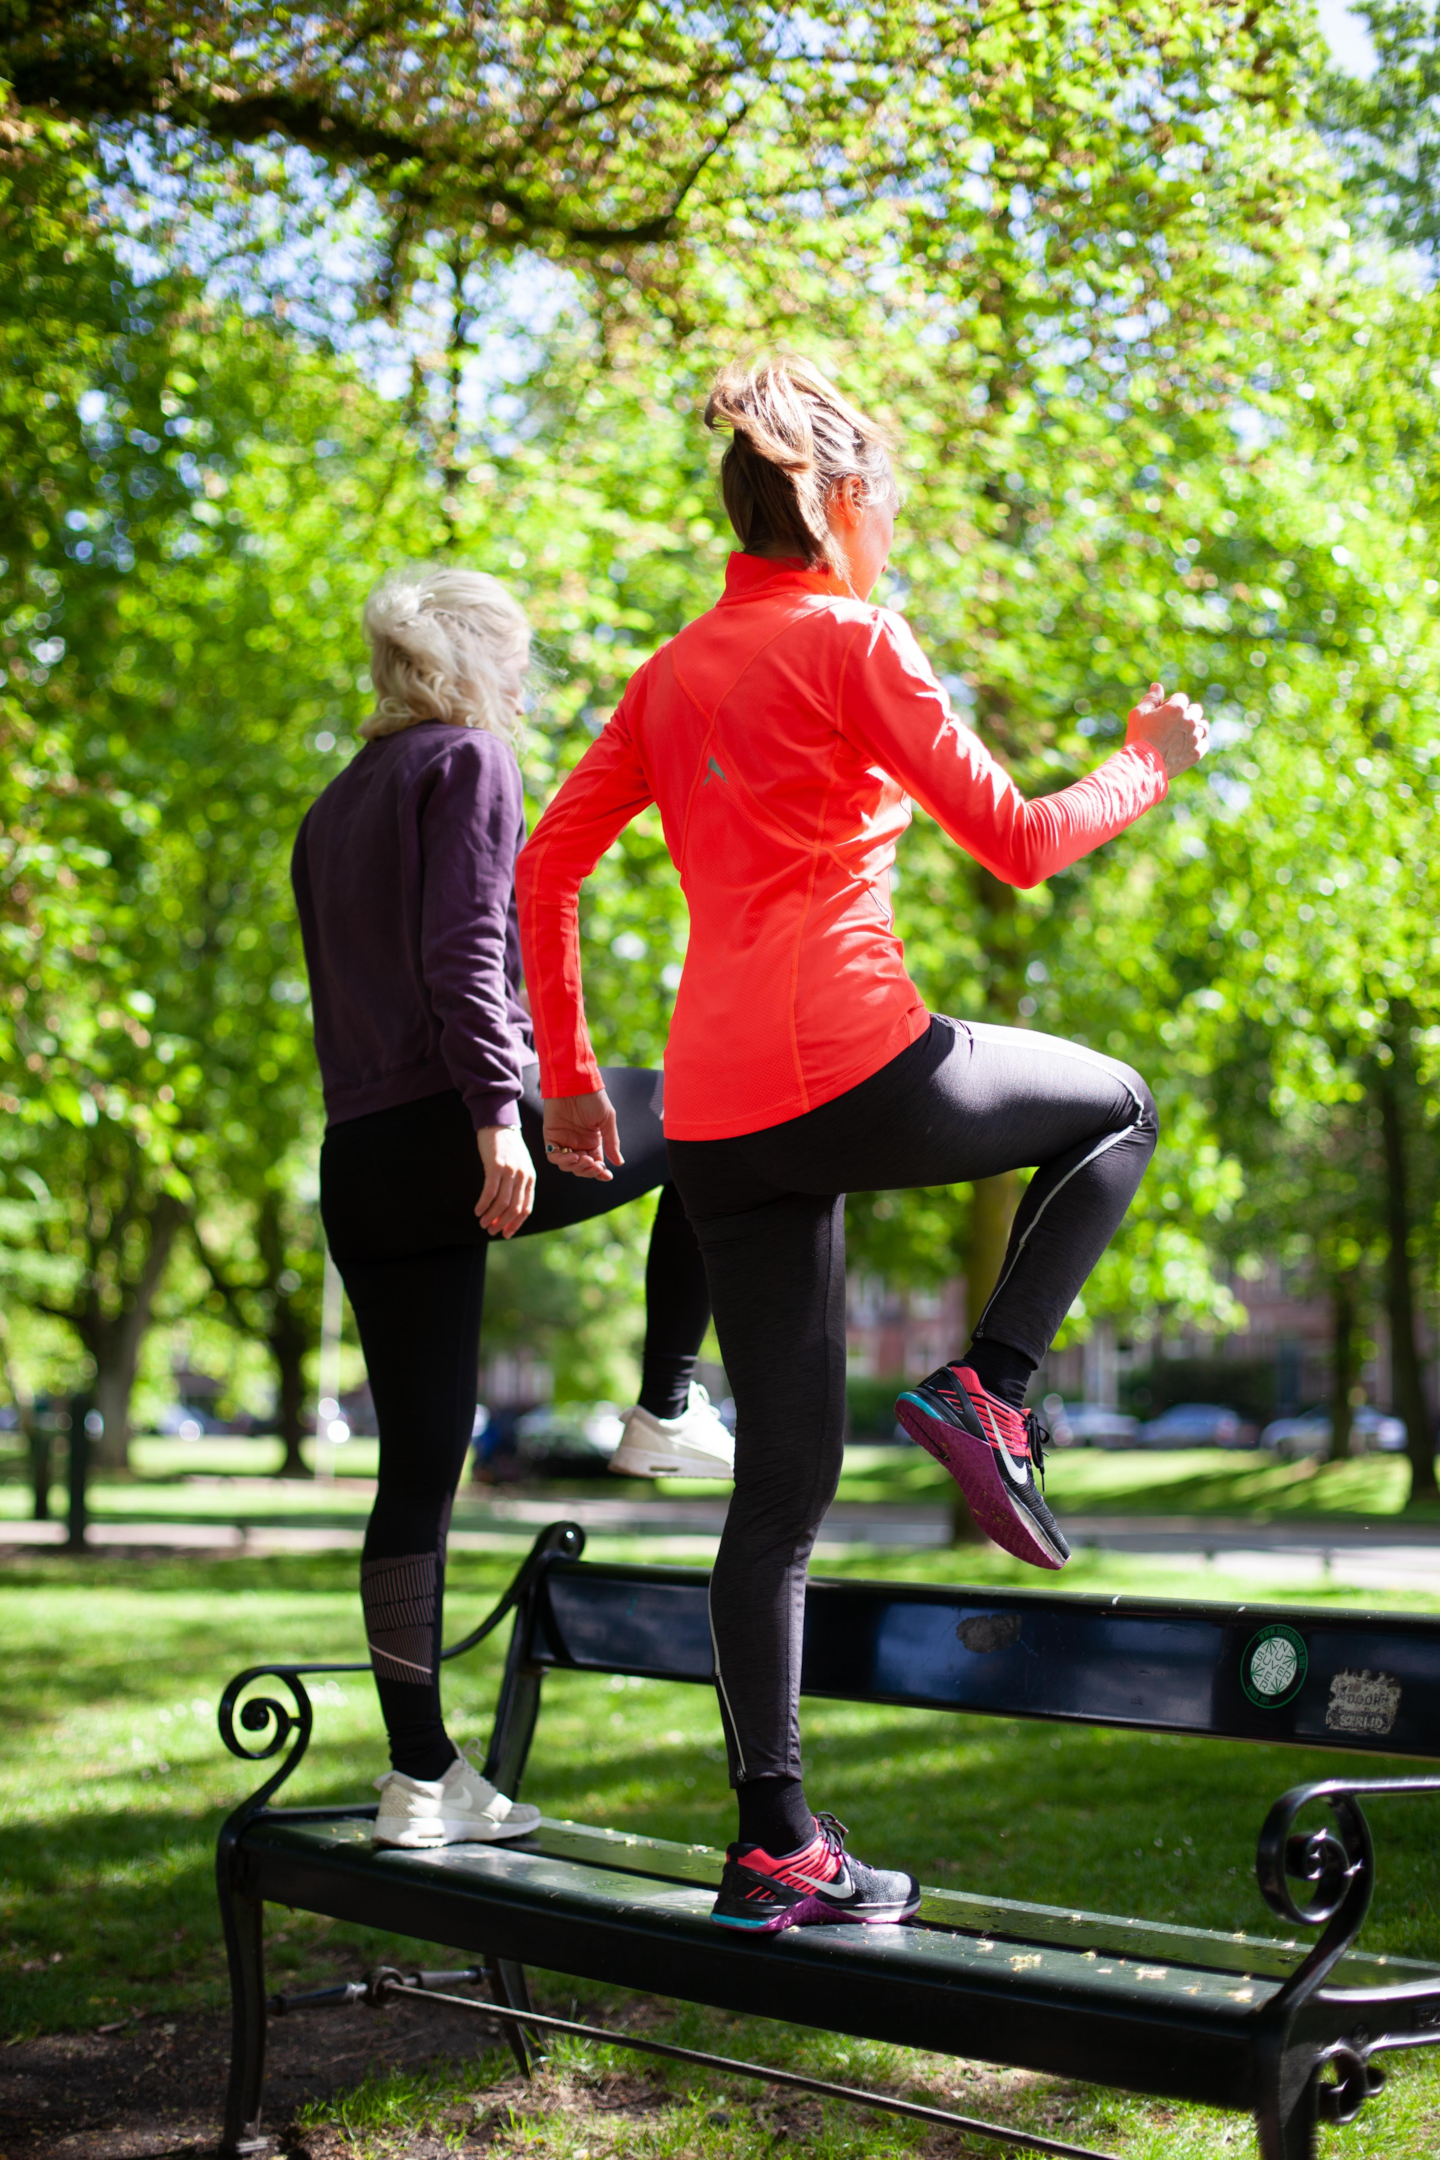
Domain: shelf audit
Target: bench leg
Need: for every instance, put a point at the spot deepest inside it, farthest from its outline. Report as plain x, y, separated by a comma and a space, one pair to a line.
510, 1988
244, 1919
1287, 2119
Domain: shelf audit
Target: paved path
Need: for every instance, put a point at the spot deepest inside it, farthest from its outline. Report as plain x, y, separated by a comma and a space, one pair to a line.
1379, 1555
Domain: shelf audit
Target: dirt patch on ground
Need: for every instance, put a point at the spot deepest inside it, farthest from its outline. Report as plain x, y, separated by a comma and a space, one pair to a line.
156, 2087
153, 2088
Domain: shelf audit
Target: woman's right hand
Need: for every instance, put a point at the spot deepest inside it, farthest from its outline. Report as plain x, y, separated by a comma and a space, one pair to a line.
580, 1132
1175, 726
508, 1193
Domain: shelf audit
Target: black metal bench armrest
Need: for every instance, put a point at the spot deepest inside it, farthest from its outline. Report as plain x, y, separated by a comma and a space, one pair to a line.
557, 1541
278, 1721
1340, 1863
262, 1712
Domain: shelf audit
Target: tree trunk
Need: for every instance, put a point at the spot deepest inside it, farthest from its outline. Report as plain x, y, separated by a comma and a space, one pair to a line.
39, 1447
992, 1210
288, 1338
992, 1213
36, 1442
288, 1345
994, 1199
1344, 1306
115, 1341
1410, 1403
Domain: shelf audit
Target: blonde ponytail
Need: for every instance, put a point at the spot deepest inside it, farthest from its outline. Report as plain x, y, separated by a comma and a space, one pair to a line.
794, 438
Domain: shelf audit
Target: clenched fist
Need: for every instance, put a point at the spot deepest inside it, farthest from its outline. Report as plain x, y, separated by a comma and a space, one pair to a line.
1176, 726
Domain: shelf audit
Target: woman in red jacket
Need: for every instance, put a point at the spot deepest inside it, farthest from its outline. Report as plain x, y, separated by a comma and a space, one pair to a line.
780, 735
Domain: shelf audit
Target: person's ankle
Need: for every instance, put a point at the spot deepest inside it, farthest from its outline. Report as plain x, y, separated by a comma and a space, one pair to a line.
1002, 1370
774, 1815
426, 1765
665, 1384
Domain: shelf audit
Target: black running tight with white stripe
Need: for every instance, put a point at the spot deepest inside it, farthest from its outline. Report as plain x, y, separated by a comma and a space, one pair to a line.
965, 1101
398, 1192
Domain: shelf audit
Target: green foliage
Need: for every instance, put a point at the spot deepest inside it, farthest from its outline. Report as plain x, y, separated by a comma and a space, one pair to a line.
870, 1405
573, 1301
1244, 1384
636, 142
1384, 127
1160, 410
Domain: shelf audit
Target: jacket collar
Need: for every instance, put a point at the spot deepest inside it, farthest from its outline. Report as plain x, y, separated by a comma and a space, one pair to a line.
747, 576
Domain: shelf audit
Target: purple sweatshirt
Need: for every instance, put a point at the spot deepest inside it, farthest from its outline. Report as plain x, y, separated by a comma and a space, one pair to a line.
404, 876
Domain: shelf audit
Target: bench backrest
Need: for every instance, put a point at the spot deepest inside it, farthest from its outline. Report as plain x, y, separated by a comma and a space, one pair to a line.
1353, 1680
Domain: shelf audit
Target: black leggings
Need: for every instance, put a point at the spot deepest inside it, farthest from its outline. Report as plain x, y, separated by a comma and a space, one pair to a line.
397, 1193
966, 1101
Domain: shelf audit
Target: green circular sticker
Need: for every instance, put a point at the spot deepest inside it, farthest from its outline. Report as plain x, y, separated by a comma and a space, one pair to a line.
1273, 1665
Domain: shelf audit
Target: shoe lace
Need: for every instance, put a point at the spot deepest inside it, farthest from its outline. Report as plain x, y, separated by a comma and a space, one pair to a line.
1037, 1432
834, 1834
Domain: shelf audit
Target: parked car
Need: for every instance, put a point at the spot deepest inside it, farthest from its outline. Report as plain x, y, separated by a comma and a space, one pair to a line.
1372, 1432
182, 1421
567, 1439
1196, 1424
1088, 1424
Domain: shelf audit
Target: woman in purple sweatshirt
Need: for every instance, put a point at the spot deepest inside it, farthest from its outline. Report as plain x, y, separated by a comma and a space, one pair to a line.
404, 874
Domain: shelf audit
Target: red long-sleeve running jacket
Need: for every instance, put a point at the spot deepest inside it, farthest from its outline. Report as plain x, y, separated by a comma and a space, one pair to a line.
779, 735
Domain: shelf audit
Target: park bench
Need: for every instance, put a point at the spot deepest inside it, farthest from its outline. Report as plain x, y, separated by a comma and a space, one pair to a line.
1287, 2031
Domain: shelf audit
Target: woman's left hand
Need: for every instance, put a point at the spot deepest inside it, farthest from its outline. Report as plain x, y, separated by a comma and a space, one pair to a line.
508, 1193
580, 1132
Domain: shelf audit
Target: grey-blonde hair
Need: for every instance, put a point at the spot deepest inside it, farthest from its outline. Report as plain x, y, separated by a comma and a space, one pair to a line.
794, 439
440, 640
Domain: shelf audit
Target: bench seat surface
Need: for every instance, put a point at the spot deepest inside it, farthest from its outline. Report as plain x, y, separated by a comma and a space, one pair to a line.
1087, 1995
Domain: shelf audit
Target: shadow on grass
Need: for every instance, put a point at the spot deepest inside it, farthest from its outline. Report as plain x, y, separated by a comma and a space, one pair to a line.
225, 1574
1184, 1482
1130, 1823
113, 1912
1115, 1822
1261, 1490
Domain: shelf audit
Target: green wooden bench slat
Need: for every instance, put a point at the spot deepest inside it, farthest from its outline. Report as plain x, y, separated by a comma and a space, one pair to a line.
1013, 1919
658, 1878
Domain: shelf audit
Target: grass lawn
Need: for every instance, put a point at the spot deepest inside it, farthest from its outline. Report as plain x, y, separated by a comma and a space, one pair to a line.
115, 1782
233, 1481
1187, 1481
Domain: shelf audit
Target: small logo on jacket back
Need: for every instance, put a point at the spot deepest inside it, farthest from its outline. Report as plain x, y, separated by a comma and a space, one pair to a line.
712, 767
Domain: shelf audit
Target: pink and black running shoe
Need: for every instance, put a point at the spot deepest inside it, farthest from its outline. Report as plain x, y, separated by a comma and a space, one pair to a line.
816, 1886
991, 1451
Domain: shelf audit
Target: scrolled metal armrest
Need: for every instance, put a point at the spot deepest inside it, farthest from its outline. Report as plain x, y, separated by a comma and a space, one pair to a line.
1335, 1864
1339, 1862
262, 1712
278, 1721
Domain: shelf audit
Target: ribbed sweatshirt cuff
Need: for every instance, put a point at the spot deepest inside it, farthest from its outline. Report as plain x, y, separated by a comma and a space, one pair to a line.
492, 1106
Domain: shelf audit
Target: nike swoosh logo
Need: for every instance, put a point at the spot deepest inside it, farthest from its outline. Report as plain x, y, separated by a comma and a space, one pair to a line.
840, 1888
1019, 1472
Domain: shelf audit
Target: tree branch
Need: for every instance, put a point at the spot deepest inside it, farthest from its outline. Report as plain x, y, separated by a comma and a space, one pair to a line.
117, 89
230, 1291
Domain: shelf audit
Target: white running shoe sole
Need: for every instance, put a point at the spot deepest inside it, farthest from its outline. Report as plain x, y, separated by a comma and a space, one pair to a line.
694, 1444
421, 1837
636, 1460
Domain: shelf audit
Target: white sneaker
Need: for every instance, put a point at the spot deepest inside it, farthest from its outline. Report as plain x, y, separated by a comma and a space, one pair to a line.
695, 1444
461, 1808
